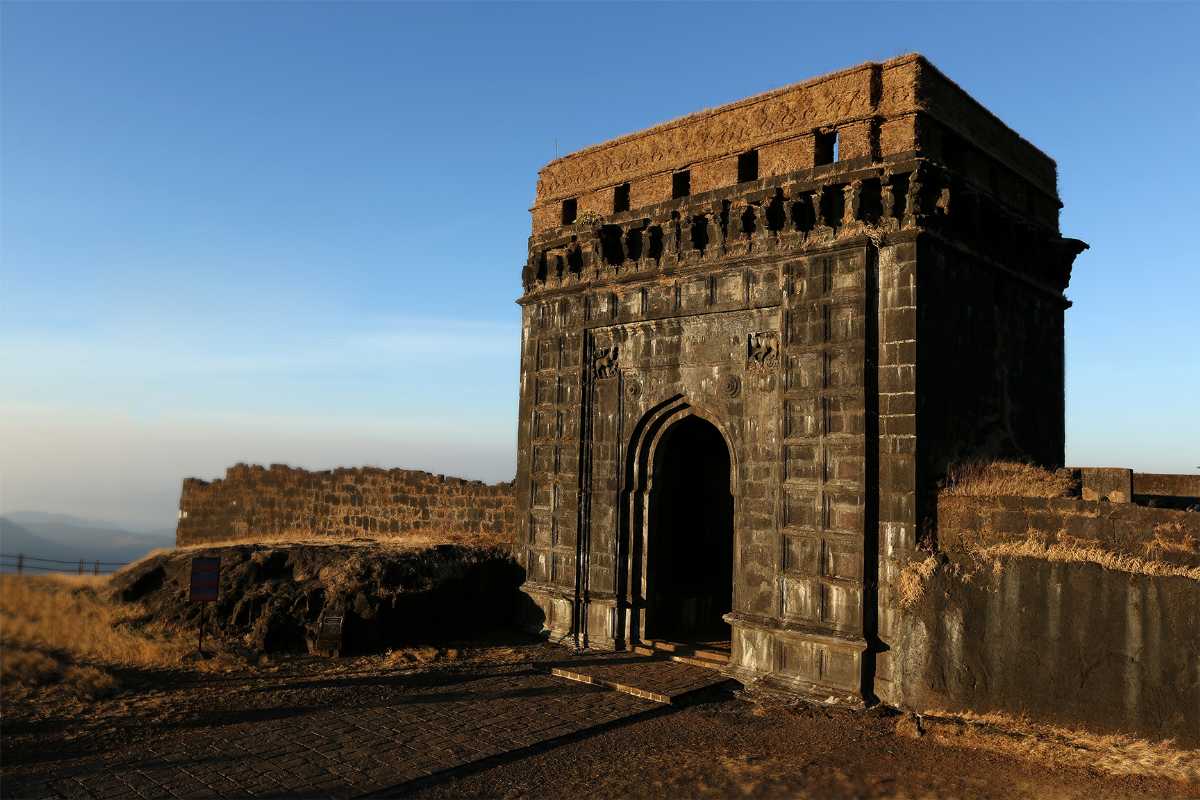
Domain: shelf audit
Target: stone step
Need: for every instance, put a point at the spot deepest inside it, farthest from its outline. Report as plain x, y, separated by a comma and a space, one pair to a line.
654, 678
694, 654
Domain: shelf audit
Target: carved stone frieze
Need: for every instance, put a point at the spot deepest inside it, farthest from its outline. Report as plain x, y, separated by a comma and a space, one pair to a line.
792, 111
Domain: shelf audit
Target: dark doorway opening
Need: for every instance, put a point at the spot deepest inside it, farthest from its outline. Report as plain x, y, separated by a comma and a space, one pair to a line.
689, 570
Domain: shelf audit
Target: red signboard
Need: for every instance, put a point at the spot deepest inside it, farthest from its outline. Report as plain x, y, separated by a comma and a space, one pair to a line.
206, 578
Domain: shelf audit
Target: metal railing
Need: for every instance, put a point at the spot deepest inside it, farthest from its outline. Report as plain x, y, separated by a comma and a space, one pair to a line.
20, 562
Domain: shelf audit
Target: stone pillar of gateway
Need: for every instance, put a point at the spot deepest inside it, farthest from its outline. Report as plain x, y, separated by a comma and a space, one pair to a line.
753, 339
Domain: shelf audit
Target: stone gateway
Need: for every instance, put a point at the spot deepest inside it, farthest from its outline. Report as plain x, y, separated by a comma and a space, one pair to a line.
753, 339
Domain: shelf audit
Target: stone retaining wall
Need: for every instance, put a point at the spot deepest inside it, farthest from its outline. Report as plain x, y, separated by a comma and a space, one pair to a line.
1075, 632
1074, 644
254, 502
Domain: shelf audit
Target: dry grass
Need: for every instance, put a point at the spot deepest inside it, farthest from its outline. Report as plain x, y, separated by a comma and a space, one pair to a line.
64, 631
1112, 754
414, 656
914, 576
1082, 554
1170, 538
1005, 479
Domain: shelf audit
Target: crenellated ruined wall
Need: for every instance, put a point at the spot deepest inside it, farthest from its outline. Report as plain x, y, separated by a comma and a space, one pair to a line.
253, 502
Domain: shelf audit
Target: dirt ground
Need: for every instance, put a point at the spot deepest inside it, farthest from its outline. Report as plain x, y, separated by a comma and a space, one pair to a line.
729, 748
718, 746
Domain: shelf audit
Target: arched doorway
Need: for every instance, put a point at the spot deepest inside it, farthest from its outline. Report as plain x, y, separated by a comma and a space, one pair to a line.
689, 559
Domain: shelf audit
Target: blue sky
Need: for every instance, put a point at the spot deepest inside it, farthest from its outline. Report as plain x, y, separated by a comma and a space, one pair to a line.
294, 232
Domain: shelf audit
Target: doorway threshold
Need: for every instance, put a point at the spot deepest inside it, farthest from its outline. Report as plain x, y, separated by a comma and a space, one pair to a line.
710, 655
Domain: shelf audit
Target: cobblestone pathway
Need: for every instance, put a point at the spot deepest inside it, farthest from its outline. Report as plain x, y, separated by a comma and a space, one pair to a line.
341, 743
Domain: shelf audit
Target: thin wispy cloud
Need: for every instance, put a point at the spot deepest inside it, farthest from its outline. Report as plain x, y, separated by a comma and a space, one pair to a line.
401, 343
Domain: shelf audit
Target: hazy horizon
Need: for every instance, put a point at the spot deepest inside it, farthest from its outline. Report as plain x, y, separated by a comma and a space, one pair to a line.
294, 234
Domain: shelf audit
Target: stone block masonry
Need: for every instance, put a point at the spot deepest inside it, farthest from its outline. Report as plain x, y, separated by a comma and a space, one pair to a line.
253, 503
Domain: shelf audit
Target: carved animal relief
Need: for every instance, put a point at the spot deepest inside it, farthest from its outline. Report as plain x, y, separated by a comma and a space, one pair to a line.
762, 350
604, 364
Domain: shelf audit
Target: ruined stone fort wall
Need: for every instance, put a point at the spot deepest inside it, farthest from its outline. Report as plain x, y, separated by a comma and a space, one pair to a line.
254, 502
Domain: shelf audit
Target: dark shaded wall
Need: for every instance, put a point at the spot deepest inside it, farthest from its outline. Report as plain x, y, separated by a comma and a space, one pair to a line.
252, 502
1055, 636
1070, 643
990, 371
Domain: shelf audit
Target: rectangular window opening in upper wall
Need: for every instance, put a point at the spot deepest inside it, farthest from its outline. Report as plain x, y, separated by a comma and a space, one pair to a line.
681, 184
621, 198
748, 166
826, 148
569, 211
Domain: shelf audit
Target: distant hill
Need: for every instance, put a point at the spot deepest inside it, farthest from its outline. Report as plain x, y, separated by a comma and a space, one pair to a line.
45, 518
66, 538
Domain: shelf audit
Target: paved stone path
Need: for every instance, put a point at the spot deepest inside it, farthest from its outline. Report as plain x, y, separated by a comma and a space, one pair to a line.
337, 745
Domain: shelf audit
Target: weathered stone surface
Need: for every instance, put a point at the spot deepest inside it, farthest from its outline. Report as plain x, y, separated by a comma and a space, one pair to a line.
1159, 487
1072, 643
652, 678
336, 737
1109, 484
252, 503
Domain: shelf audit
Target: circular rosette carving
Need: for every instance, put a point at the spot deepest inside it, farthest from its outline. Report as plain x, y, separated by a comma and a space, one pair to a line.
731, 385
633, 389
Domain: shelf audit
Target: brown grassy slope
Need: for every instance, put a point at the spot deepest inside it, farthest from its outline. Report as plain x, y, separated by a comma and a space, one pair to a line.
64, 631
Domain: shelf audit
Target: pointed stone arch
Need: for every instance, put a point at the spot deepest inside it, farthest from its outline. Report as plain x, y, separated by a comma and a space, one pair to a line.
647, 436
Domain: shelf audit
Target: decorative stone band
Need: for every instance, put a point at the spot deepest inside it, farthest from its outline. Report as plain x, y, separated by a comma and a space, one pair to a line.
872, 107
793, 213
